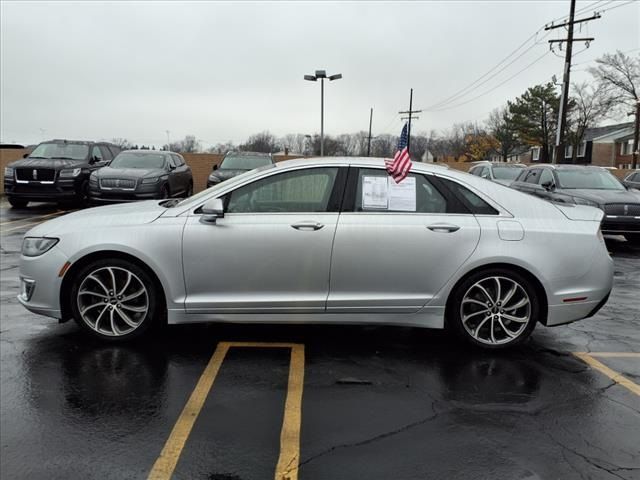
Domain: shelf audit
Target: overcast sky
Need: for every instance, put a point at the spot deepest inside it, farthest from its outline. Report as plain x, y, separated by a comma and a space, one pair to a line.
222, 71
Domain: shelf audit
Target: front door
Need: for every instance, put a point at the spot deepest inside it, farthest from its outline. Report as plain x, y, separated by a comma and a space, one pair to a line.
397, 247
271, 252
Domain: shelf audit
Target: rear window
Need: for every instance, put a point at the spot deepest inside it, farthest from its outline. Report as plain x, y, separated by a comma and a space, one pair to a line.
245, 162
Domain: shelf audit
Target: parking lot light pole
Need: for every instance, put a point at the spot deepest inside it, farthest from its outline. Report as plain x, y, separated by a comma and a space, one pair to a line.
322, 74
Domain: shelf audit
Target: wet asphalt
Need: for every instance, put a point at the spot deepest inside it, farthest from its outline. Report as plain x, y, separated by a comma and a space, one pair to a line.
378, 403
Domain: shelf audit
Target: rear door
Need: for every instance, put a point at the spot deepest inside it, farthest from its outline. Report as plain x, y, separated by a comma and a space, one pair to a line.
395, 248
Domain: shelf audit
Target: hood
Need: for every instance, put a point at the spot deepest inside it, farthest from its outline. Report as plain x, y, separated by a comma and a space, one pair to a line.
55, 163
109, 172
227, 173
135, 213
602, 197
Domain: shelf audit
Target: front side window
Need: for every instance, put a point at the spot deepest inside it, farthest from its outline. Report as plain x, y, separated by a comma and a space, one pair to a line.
306, 190
66, 151
546, 177
106, 153
378, 192
96, 154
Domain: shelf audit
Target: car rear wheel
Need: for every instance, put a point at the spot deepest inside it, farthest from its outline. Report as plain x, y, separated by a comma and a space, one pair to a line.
17, 203
495, 308
114, 299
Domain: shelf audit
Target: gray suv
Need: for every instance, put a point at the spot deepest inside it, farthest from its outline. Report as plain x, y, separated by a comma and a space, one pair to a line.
141, 175
235, 163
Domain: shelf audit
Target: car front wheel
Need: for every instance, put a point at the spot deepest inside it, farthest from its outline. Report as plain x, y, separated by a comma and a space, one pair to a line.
114, 299
495, 308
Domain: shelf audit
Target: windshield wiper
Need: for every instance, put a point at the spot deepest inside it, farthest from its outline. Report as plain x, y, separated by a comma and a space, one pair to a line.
63, 158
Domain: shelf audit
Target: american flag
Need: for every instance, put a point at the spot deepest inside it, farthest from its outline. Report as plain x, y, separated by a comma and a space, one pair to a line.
399, 167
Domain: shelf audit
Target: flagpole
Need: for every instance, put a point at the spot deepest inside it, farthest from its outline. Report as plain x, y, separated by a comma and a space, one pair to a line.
409, 129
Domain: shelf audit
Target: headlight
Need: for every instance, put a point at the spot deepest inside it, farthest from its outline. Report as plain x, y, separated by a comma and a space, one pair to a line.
8, 172
36, 246
584, 201
151, 180
93, 179
70, 172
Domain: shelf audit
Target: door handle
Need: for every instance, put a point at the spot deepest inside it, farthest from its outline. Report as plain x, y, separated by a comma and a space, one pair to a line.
307, 226
443, 227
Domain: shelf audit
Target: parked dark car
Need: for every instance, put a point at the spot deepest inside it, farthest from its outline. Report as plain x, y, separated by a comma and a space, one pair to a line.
142, 175
235, 163
632, 180
587, 185
503, 173
56, 171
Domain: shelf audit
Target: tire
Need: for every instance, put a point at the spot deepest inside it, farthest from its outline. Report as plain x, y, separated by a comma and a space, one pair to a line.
17, 203
133, 304
477, 296
164, 192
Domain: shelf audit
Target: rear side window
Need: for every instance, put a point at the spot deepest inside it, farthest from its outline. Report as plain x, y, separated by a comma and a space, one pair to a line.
472, 201
376, 191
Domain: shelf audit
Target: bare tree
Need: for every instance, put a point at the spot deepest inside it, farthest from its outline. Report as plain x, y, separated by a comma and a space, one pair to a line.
591, 104
222, 147
295, 143
264, 142
619, 75
188, 144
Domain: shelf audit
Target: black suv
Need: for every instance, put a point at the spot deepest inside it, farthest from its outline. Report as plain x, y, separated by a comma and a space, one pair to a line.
141, 175
235, 163
586, 185
56, 171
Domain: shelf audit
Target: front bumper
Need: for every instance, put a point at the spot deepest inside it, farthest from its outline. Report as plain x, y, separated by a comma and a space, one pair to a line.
40, 283
114, 195
61, 189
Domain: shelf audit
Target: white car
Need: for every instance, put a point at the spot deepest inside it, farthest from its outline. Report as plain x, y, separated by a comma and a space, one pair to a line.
325, 241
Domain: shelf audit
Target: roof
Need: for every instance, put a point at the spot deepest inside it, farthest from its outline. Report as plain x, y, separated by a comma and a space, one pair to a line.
564, 166
248, 154
597, 132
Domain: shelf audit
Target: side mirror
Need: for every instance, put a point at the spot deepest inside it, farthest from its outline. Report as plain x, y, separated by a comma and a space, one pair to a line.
548, 186
215, 167
212, 210
172, 167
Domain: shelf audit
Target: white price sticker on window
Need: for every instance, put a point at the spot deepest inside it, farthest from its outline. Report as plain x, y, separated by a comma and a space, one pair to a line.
402, 196
375, 193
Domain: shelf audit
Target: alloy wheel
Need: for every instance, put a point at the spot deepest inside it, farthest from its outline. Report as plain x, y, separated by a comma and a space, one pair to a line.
113, 301
495, 310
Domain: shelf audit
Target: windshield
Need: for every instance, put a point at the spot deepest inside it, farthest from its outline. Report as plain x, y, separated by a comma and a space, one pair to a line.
244, 162
506, 173
589, 178
138, 160
68, 151
229, 183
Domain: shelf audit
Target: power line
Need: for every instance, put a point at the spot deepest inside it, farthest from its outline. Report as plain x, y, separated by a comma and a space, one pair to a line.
457, 94
497, 86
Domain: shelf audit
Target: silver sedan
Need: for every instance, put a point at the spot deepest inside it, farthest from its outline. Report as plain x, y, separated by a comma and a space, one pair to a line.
325, 241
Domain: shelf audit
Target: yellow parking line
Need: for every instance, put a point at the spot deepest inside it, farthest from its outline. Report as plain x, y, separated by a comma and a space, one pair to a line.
30, 219
615, 354
612, 374
289, 459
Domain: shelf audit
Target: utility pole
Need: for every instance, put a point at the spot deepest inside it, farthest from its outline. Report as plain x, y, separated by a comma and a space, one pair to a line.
564, 99
369, 138
410, 117
636, 134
